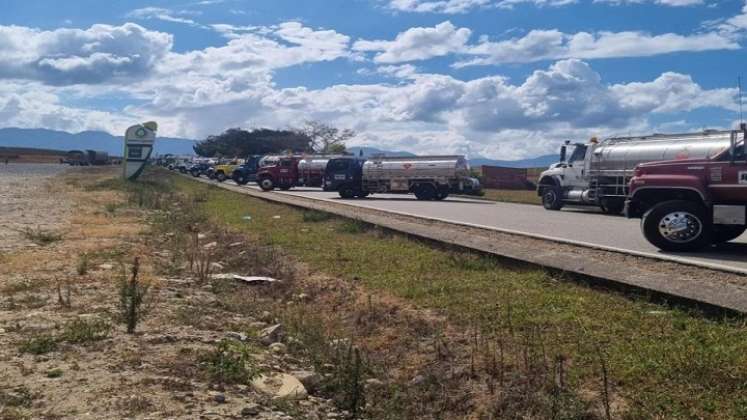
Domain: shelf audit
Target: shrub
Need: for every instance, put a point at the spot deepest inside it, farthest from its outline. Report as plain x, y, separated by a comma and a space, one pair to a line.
81, 331
40, 236
313, 216
39, 345
230, 363
132, 295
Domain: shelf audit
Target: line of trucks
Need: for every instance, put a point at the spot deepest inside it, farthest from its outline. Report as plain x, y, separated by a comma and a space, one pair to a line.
428, 177
689, 190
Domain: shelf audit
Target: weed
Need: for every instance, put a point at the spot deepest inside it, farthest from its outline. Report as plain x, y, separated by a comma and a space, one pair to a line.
82, 265
352, 227
111, 208
83, 331
54, 373
64, 298
134, 405
132, 296
314, 216
41, 344
17, 397
230, 363
41, 236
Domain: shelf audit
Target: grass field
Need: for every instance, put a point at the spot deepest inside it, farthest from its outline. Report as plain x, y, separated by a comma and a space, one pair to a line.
624, 355
512, 196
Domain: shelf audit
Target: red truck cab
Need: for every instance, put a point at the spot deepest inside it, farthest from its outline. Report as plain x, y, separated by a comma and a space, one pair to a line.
281, 173
688, 205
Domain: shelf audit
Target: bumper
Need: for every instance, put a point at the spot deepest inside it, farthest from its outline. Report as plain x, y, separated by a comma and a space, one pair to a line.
632, 209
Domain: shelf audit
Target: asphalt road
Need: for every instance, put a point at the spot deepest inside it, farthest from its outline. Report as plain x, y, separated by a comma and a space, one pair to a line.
582, 225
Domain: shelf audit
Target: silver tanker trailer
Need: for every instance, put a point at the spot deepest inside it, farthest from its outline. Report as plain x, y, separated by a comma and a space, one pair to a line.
598, 173
428, 177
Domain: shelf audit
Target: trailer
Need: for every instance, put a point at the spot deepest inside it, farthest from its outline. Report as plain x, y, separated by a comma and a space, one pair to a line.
598, 173
428, 177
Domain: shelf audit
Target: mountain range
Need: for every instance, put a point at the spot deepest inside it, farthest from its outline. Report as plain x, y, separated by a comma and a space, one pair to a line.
40, 138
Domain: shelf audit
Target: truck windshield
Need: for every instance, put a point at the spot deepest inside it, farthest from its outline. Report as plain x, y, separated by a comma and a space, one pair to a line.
338, 165
579, 154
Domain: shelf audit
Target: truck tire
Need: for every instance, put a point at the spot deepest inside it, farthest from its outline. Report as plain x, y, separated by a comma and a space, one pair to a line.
612, 206
552, 197
220, 176
425, 192
347, 192
266, 184
240, 179
442, 193
195, 174
678, 226
722, 233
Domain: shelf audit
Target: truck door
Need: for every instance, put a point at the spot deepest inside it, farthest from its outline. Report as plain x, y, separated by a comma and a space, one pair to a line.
727, 178
575, 174
287, 172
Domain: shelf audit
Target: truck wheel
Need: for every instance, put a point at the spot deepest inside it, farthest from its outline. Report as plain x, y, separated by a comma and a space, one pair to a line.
240, 179
678, 226
612, 205
552, 198
195, 174
220, 176
723, 233
425, 192
347, 192
266, 184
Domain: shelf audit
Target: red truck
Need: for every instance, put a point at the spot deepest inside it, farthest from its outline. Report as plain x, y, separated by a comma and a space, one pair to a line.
286, 172
688, 205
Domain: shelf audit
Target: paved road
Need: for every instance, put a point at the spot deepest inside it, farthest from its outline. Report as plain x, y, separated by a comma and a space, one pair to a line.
578, 225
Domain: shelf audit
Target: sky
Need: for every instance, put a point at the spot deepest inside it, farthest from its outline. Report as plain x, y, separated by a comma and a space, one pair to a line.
503, 79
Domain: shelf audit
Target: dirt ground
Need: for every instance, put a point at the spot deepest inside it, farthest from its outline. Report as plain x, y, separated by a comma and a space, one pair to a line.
30, 199
64, 353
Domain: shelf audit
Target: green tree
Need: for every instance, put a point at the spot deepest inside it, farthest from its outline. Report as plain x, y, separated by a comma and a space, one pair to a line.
261, 141
325, 138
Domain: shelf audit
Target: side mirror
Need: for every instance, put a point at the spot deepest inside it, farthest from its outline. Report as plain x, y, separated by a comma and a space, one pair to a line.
563, 153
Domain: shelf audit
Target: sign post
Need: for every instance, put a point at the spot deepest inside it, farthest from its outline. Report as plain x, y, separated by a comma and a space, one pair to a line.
139, 140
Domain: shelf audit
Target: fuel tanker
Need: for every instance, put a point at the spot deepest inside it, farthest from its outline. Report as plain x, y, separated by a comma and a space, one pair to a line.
599, 173
428, 177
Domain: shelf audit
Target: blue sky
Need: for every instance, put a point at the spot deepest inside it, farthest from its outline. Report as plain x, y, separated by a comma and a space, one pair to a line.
494, 78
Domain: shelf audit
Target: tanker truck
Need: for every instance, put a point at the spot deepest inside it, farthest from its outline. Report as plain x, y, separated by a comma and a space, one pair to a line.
428, 177
598, 173
687, 205
286, 172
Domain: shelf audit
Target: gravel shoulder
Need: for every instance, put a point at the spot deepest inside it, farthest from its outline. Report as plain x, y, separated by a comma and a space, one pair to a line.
30, 200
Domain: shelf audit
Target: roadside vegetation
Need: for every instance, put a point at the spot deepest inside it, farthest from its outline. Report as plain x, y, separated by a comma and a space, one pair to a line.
526, 342
511, 196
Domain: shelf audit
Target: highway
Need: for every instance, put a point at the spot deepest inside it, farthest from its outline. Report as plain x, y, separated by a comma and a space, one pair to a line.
582, 226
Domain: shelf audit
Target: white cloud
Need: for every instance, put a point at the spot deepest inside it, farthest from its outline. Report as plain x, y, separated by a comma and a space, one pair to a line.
672, 3
553, 45
99, 54
202, 92
464, 6
164, 14
418, 44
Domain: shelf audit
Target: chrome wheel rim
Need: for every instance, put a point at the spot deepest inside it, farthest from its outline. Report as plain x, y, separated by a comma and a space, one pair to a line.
680, 227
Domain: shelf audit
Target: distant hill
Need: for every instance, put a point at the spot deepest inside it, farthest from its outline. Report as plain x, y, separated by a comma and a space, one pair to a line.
40, 138
372, 151
538, 162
